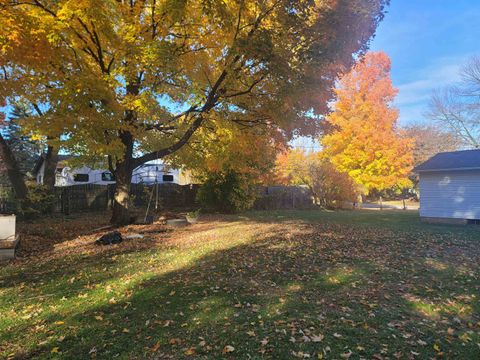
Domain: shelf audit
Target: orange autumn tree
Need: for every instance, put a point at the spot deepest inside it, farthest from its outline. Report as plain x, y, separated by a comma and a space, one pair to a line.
365, 141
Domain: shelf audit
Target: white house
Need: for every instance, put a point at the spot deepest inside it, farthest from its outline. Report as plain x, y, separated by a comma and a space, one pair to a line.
450, 187
149, 173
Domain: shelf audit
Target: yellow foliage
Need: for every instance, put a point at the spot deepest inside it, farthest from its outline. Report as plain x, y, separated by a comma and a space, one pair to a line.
115, 76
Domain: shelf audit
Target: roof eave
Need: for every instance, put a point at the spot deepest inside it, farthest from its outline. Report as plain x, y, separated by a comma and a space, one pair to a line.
447, 169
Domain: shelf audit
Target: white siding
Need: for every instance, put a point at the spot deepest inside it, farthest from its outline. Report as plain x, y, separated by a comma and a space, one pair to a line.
153, 173
450, 194
147, 174
66, 178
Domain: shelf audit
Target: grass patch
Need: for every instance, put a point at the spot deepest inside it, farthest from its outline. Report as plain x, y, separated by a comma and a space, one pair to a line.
273, 285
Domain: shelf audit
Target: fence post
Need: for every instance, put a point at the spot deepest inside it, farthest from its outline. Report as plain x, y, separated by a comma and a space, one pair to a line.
67, 201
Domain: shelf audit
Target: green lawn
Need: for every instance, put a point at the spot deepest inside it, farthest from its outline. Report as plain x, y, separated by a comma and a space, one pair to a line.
278, 285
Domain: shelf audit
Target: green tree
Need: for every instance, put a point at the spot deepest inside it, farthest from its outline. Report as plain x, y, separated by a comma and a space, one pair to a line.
25, 149
9, 163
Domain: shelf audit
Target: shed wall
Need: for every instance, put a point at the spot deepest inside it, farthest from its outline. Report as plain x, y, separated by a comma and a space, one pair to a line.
450, 194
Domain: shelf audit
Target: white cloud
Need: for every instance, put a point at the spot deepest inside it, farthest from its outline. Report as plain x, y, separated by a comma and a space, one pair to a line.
413, 97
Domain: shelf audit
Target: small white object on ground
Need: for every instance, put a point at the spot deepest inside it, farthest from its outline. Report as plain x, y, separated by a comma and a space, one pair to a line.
133, 236
191, 220
177, 222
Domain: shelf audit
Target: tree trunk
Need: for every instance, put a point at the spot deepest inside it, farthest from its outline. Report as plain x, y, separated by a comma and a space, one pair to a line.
121, 198
51, 160
123, 178
13, 172
125, 166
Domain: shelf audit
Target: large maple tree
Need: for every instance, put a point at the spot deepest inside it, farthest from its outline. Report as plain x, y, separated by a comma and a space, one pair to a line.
365, 141
135, 79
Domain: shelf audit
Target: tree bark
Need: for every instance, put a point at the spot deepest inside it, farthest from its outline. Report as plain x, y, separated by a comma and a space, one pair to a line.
124, 168
121, 198
123, 176
51, 160
13, 172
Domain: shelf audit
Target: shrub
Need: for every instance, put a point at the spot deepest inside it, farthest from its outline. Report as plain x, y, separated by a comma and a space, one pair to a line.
328, 187
227, 192
40, 201
331, 189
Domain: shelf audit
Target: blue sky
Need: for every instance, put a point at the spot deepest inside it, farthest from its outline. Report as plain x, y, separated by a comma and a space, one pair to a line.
427, 41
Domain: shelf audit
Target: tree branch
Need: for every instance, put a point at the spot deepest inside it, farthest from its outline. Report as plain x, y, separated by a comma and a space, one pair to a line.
37, 109
158, 127
248, 90
172, 148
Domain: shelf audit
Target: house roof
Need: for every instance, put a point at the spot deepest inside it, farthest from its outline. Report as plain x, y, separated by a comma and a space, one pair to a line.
41, 159
455, 160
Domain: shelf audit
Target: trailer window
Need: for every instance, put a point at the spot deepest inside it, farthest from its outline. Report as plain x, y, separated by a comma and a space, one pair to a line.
107, 176
81, 177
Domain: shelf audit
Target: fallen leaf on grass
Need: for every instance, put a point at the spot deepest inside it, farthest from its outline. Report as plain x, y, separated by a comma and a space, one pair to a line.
317, 338
301, 355
228, 349
465, 338
155, 347
190, 351
174, 341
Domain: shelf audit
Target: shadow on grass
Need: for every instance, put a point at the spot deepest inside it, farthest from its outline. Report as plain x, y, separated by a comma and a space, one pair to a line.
328, 291
41, 235
404, 220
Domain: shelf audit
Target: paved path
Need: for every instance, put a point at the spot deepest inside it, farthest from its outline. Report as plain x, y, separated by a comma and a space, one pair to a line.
375, 206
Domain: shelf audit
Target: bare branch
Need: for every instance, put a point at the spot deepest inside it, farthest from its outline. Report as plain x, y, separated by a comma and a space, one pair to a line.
451, 108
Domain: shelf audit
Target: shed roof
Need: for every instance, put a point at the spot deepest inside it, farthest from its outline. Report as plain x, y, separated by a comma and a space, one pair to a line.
455, 160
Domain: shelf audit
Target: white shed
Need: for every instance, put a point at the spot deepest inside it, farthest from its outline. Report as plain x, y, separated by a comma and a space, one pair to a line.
450, 187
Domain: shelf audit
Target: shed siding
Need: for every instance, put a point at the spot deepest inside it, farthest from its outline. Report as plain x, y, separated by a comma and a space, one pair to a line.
450, 194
